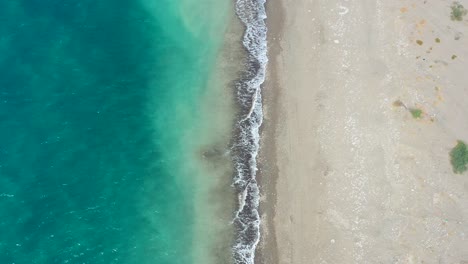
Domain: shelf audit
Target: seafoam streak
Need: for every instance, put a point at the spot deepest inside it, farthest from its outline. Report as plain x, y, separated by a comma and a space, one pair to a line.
246, 144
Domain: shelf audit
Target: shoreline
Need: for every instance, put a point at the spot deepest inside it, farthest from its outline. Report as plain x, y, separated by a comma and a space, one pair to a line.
346, 176
268, 171
246, 138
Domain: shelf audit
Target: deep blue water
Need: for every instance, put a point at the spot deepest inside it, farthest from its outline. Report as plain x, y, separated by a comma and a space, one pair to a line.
88, 161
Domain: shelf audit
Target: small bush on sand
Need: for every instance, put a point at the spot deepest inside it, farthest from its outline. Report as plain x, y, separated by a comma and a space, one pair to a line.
398, 103
458, 11
459, 157
416, 113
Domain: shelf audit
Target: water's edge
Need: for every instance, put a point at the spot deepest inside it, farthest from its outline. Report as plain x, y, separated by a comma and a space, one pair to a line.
246, 140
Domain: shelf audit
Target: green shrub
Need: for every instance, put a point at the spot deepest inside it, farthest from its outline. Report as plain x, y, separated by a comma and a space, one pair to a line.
416, 113
459, 157
458, 11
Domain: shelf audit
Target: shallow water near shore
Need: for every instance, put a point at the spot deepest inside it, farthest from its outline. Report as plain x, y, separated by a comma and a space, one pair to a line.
104, 133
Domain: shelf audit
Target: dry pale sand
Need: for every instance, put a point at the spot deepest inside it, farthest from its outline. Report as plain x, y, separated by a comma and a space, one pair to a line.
359, 180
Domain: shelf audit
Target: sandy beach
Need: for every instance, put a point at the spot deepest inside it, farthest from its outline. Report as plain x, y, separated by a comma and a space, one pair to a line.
363, 102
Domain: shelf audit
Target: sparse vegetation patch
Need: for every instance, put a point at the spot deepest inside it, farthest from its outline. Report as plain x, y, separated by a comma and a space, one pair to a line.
458, 11
416, 113
398, 103
459, 157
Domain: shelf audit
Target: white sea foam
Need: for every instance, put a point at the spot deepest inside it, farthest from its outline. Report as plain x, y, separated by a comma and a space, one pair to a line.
246, 146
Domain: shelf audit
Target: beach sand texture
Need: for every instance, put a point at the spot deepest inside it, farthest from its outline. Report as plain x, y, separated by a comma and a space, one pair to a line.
359, 179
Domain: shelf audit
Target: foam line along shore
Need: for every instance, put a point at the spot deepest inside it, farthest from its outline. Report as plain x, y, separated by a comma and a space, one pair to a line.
246, 140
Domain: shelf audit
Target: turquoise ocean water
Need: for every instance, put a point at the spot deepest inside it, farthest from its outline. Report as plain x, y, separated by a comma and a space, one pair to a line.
97, 100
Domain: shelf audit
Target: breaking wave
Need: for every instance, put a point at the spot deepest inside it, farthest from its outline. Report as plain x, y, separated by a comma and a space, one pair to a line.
246, 142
